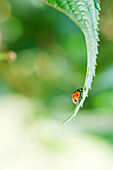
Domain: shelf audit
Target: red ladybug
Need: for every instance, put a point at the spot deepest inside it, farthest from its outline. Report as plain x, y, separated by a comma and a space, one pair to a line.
76, 96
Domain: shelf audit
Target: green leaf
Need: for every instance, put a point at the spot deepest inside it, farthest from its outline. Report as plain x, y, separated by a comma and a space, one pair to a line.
85, 13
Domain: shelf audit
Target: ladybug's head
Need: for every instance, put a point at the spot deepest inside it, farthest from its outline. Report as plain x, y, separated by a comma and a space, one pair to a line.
80, 90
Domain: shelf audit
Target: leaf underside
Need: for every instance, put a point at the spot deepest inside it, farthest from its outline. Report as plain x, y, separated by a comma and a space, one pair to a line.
85, 13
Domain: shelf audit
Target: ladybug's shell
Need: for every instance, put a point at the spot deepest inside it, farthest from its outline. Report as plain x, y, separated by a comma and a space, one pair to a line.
76, 96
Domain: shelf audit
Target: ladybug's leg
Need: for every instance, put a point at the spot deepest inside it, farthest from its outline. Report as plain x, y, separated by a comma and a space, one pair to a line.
81, 97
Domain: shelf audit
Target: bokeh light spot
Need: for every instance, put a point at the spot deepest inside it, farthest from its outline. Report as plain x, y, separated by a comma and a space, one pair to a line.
12, 30
5, 10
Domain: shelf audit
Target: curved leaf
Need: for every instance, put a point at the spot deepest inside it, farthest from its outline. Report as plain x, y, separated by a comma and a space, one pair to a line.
86, 15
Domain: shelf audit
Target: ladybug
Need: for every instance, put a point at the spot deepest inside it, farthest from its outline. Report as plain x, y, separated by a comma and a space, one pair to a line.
76, 96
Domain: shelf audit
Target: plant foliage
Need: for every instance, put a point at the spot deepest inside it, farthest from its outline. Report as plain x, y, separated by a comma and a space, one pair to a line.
85, 13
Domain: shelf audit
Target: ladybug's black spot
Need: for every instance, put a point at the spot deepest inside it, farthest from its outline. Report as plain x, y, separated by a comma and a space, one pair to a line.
75, 100
77, 94
73, 95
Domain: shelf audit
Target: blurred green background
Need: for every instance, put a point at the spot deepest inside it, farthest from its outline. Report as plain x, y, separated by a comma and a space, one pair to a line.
35, 91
